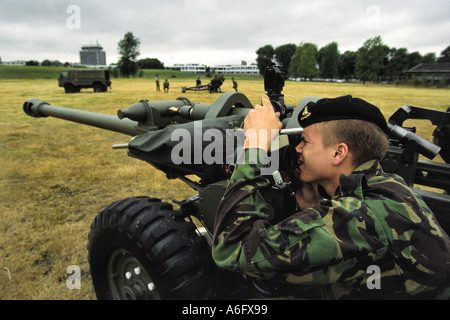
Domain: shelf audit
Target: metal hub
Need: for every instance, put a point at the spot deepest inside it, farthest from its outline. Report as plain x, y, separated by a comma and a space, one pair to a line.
127, 278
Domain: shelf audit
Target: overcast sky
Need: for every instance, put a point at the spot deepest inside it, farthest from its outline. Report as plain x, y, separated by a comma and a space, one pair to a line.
215, 31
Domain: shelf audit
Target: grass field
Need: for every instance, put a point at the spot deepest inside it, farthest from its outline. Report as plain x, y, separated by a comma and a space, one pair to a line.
56, 175
37, 72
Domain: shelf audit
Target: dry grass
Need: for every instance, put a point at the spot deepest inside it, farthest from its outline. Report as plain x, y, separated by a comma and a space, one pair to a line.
56, 175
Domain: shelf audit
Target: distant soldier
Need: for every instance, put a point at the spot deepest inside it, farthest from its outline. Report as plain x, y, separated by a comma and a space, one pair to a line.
213, 85
157, 83
166, 86
220, 81
235, 85
198, 82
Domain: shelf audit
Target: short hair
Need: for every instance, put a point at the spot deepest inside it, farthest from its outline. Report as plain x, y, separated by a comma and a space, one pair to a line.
364, 139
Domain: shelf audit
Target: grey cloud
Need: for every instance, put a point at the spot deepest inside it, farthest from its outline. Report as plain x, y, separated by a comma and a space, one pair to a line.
221, 30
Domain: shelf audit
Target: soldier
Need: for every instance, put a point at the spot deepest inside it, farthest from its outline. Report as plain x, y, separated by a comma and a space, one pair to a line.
166, 86
157, 83
371, 237
235, 85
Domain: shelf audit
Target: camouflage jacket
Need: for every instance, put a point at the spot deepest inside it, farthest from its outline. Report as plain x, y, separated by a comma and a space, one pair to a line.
374, 222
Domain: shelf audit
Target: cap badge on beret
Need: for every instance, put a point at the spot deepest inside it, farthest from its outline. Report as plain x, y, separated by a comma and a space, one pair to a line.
305, 113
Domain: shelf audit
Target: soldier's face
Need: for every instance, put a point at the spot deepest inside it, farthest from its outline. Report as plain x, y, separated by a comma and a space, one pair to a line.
315, 160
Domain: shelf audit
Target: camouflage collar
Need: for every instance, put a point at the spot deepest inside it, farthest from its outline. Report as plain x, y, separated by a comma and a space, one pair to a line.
369, 168
353, 184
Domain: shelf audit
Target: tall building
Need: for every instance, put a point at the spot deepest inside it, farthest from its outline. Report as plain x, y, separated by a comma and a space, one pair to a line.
93, 55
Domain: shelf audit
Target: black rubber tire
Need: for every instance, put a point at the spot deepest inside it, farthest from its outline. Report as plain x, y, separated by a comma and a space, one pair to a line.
98, 88
140, 248
68, 88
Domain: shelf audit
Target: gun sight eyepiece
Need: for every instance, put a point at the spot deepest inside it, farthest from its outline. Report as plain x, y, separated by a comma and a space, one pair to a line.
274, 80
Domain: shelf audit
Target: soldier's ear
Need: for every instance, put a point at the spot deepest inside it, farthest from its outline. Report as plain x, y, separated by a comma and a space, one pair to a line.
341, 153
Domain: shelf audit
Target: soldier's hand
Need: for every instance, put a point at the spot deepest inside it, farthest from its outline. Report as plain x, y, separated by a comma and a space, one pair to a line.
307, 195
261, 125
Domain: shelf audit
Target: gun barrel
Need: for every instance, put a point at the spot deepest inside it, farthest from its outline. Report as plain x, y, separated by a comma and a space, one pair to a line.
38, 108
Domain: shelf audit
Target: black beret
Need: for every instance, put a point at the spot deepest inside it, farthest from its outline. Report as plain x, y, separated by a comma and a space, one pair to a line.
340, 108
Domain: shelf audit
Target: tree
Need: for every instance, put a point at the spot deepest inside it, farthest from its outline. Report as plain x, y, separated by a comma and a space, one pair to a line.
370, 59
264, 58
398, 62
429, 58
445, 55
304, 61
128, 48
283, 55
347, 63
46, 63
150, 63
414, 59
54, 63
328, 59
31, 63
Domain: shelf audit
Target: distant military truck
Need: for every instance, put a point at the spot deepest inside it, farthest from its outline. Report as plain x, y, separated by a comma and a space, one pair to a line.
75, 80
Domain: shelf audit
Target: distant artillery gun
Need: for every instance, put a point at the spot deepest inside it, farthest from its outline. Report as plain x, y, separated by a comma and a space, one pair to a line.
213, 86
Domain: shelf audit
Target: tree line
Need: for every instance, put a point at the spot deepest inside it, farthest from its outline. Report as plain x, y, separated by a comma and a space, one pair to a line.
374, 61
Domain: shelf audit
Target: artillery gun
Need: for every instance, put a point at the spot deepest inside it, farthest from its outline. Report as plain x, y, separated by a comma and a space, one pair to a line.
142, 248
213, 86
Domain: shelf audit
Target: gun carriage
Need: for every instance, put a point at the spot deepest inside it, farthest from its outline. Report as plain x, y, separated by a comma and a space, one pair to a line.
213, 86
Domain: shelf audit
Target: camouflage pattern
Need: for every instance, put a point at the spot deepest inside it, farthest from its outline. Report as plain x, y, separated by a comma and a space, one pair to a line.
374, 219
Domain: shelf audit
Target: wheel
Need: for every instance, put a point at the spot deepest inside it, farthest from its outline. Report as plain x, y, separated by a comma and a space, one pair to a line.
100, 88
68, 88
140, 248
